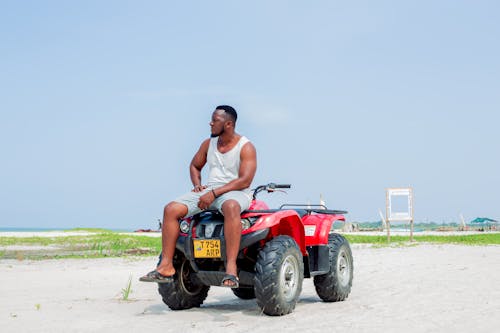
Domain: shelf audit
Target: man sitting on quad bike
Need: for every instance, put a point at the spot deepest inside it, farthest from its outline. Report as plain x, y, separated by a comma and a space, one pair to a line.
232, 164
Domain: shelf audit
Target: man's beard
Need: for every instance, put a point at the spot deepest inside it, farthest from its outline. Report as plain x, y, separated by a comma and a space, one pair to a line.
214, 135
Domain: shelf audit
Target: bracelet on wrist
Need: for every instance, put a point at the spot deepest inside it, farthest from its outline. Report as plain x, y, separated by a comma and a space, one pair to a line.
215, 195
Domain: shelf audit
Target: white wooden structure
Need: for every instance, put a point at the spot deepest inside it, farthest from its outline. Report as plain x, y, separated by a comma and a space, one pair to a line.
394, 214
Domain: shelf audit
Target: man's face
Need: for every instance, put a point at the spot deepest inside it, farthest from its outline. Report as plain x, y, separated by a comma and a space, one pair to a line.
217, 123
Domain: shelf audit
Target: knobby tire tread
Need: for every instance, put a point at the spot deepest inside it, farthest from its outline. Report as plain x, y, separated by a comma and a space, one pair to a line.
176, 297
267, 271
328, 286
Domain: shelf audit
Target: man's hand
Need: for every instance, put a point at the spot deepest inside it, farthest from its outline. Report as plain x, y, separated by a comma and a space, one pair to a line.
199, 188
206, 200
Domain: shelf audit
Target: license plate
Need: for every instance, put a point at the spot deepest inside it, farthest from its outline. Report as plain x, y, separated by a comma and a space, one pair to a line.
209, 248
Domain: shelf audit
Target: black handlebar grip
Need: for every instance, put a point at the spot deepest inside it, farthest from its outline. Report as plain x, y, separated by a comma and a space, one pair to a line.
282, 186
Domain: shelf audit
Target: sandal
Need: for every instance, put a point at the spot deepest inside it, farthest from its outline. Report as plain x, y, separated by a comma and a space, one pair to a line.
229, 277
155, 276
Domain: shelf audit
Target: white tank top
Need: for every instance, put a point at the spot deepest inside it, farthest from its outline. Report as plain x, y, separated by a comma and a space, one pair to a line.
223, 168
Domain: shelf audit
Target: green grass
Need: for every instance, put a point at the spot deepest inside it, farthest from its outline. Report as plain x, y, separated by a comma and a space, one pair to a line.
113, 244
478, 239
98, 245
127, 290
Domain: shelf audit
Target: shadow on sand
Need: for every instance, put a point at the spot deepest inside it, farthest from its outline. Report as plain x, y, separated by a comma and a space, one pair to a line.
219, 309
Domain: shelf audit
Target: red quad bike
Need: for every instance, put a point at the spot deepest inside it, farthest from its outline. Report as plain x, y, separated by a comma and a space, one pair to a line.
278, 249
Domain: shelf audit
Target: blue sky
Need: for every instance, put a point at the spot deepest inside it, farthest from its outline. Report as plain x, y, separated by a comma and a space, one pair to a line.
103, 104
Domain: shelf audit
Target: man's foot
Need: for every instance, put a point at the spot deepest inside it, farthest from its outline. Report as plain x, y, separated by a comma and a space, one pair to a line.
230, 281
155, 276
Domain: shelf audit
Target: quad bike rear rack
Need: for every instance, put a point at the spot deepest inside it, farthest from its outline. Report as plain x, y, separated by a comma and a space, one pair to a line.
319, 209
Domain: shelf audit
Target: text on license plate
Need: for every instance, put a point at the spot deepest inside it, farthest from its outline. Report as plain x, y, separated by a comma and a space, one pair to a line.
209, 248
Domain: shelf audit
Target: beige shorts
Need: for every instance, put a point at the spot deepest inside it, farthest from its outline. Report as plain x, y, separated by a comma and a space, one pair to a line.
191, 199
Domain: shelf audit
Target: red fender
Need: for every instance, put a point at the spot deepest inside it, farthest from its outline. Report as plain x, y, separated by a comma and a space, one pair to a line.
317, 227
284, 222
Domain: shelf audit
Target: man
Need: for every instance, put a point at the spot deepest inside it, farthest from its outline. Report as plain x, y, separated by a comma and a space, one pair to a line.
232, 162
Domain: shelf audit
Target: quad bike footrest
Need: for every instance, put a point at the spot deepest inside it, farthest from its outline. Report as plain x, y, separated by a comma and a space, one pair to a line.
211, 278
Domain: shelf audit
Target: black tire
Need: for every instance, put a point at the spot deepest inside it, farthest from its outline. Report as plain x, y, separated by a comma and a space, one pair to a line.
336, 284
244, 293
185, 291
279, 272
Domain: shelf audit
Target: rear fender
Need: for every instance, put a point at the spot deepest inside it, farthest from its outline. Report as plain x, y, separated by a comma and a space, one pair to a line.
284, 222
317, 227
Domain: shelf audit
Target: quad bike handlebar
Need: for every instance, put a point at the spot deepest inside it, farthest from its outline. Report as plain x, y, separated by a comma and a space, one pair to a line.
269, 188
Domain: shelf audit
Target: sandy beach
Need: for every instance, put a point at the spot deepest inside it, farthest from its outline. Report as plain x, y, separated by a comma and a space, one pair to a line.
423, 288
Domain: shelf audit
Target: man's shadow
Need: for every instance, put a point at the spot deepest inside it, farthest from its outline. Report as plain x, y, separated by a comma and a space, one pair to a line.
220, 307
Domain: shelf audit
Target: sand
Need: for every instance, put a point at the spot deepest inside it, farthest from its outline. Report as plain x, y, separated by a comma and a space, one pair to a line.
423, 288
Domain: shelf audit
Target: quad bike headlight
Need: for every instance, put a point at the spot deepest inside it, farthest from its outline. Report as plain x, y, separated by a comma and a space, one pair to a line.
247, 222
184, 226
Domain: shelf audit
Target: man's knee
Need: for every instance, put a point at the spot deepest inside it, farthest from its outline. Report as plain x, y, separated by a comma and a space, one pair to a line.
231, 207
175, 210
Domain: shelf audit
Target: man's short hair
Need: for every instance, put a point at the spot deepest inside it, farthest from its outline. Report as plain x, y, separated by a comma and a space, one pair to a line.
230, 112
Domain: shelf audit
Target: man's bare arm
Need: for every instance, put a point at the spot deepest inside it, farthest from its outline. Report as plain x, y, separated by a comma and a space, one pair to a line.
197, 163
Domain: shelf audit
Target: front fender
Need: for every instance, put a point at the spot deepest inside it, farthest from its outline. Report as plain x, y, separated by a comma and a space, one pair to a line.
283, 222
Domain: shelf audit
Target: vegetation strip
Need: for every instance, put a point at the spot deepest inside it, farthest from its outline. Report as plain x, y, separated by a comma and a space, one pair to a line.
113, 244
478, 239
106, 244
